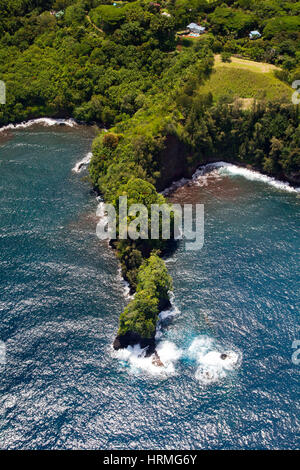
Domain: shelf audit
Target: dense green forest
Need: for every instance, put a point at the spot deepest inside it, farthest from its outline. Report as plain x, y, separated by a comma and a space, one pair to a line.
126, 65
96, 62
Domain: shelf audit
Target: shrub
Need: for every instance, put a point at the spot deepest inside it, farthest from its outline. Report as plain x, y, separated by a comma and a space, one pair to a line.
226, 56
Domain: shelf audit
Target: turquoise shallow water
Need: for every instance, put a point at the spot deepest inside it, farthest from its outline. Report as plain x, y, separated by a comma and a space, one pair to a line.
61, 295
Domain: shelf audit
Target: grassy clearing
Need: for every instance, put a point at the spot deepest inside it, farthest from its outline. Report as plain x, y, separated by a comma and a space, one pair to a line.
236, 62
247, 80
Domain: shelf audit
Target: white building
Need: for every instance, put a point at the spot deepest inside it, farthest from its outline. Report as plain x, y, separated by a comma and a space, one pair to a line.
254, 35
195, 28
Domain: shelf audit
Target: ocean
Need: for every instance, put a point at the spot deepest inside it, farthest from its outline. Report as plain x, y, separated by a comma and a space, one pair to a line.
63, 386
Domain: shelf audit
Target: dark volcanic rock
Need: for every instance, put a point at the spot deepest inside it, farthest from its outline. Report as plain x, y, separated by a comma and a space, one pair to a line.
164, 304
131, 338
176, 161
156, 361
173, 162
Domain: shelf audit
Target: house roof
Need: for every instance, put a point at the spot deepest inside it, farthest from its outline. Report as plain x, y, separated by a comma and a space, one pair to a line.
255, 33
196, 26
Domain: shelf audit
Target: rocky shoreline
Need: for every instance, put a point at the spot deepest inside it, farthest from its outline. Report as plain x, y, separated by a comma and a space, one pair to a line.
148, 344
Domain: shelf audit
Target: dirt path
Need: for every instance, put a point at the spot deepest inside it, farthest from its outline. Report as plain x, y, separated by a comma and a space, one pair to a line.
261, 67
94, 26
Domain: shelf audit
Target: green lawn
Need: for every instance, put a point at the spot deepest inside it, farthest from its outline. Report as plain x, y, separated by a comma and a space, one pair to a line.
245, 82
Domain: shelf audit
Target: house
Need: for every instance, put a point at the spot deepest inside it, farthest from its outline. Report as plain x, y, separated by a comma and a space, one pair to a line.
195, 28
59, 14
254, 35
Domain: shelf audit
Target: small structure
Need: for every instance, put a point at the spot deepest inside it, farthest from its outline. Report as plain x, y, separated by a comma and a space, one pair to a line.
195, 28
59, 14
254, 35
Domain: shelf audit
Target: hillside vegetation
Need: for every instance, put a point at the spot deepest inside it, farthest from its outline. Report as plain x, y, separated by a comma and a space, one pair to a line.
245, 79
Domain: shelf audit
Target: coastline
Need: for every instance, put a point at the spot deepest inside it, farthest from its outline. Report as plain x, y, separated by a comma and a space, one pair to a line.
71, 122
149, 348
45, 121
73, 332
132, 339
246, 171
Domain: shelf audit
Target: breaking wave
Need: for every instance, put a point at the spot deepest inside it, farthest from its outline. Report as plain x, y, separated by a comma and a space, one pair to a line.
167, 353
135, 358
199, 173
103, 220
234, 170
166, 315
41, 121
220, 169
175, 185
213, 362
82, 163
125, 285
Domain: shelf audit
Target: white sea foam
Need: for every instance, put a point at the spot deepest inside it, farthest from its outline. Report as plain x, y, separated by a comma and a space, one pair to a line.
203, 175
135, 358
82, 163
171, 260
164, 315
175, 185
126, 289
220, 169
100, 211
199, 173
213, 362
42, 121
234, 170
172, 311
103, 219
168, 353
227, 169
125, 285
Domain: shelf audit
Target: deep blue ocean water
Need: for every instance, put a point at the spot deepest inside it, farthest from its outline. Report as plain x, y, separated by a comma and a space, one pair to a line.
63, 387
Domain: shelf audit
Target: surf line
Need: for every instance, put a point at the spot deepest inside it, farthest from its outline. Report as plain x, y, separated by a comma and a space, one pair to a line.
82, 163
231, 170
43, 121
